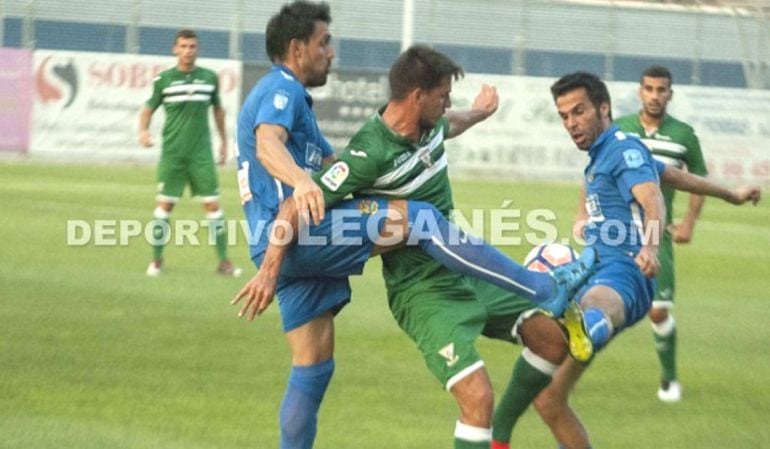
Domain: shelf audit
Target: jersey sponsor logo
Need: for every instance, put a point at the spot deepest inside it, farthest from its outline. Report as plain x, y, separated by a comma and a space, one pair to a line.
357, 153
593, 208
335, 176
244, 188
403, 157
313, 156
448, 352
280, 100
634, 158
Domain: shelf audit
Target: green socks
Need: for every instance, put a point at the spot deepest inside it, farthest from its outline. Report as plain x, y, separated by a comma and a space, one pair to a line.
665, 343
531, 374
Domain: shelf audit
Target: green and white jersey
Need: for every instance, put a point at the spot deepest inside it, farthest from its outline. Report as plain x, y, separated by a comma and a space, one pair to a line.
673, 143
186, 97
382, 163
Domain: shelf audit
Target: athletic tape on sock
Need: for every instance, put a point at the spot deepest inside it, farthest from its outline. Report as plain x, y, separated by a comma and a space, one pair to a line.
539, 363
160, 213
472, 433
665, 328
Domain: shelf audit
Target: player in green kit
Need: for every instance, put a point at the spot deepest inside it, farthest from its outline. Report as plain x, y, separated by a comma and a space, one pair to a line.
186, 93
674, 143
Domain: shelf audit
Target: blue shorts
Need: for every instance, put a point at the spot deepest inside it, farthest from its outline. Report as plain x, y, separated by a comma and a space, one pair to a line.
624, 276
314, 272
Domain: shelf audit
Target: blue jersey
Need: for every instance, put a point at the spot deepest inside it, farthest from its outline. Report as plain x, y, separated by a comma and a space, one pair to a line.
277, 99
618, 163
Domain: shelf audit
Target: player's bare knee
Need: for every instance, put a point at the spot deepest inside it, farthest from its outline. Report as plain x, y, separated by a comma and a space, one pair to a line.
475, 398
211, 206
544, 337
658, 315
166, 206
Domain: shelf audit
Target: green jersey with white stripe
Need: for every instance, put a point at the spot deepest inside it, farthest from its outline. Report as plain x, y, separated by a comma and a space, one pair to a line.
186, 97
673, 143
380, 162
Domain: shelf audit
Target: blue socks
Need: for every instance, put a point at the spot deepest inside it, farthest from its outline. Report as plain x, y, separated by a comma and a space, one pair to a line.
472, 256
599, 327
299, 409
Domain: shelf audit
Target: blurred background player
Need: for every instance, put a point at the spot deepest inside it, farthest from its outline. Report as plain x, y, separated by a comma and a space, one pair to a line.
674, 143
186, 92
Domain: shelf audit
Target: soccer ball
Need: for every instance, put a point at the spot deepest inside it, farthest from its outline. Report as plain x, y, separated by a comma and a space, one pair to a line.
547, 256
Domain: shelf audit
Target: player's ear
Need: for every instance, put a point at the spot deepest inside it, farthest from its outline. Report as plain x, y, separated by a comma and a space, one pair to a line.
417, 94
604, 110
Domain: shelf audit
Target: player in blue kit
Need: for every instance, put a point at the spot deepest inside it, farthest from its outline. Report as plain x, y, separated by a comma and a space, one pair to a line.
279, 146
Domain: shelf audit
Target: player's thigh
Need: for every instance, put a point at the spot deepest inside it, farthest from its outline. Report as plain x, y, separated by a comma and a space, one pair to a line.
619, 277
505, 310
312, 342
341, 244
444, 324
202, 174
172, 176
475, 398
303, 300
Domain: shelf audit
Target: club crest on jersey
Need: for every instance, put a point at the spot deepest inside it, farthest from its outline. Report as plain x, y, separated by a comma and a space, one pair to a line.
448, 352
335, 176
424, 155
280, 100
368, 207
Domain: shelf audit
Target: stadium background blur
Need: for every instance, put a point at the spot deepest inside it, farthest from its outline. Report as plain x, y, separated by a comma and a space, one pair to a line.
95, 355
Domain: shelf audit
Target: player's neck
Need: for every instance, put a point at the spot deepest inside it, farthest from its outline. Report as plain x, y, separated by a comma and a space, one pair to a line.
185, 68
402, 118
650, 123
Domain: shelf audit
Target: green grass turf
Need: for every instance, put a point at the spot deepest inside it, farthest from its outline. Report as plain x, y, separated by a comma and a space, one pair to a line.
93, 354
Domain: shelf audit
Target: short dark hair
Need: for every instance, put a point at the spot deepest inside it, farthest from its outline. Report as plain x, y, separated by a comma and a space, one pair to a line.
295, 21
594, 86
420, 67
657, 71
185, 33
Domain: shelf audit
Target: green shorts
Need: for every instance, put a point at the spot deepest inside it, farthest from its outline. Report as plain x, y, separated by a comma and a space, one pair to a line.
177, 169
505, 310
442, 315
665, 280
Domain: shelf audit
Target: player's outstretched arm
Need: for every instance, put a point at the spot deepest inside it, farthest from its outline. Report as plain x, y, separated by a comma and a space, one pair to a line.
274, 156
484, 105
682, 180
649, 197
260, 290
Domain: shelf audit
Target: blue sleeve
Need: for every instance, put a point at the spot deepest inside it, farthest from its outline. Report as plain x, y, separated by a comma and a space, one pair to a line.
326, 148
279, 105
660, 167
632, 165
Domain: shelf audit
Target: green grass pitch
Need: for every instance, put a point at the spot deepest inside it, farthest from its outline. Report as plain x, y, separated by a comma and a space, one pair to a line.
93, 354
